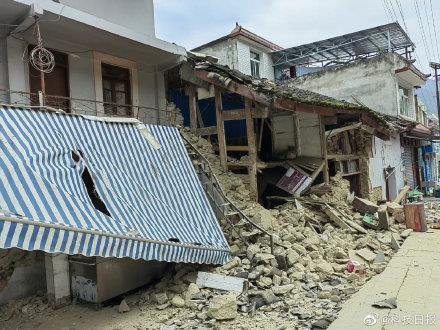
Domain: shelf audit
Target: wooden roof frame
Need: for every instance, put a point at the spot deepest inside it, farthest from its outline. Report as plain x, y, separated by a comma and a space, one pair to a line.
291, 105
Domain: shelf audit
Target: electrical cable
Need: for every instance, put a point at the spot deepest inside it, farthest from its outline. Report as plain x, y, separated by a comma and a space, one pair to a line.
41, 58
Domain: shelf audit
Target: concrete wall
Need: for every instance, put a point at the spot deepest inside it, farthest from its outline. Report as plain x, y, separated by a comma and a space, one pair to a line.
226, 51
244, 48
22, 274
236, 54
137, 15
386, 154
15, 74
372, 81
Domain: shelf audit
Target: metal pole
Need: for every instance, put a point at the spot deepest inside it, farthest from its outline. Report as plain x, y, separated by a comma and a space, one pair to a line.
436, 66
437, 93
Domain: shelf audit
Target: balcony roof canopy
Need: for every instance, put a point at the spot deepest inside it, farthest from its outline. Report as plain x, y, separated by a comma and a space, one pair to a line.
384, 38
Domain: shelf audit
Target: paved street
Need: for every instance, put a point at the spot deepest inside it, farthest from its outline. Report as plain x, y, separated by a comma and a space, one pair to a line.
413, 276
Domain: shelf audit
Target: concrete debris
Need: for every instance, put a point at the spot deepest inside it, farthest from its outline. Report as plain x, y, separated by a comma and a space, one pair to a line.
390, 303
303, 281
406, 233
366, 254
223, 307
178, 301
364, 205
123, 307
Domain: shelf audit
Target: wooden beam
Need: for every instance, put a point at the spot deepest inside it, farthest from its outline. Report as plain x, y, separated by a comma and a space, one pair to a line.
338, 130
220, 128
211, 130
252, 169
192, 108
239, 114
324, 150
379, 130
232, 86
287, 104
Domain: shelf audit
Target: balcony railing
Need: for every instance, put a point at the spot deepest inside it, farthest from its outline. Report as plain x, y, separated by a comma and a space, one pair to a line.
146, 114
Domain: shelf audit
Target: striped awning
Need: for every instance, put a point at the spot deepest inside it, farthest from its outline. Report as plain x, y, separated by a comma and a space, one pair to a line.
97, 187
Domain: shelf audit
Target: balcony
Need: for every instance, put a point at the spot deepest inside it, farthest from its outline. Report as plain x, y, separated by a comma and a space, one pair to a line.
168, 116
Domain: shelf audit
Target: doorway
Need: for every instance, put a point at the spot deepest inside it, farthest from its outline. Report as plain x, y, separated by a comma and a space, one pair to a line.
56, 82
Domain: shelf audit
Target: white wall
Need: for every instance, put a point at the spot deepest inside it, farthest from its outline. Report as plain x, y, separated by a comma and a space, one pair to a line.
372, 81
244, 48
386, 154
81, 78
236, 54
226, 51
4, 83
137, 15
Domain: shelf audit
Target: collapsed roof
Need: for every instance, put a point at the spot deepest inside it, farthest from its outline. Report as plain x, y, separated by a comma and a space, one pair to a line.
283, 96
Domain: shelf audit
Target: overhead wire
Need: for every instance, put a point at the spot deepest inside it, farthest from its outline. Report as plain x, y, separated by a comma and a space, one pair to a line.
435, 30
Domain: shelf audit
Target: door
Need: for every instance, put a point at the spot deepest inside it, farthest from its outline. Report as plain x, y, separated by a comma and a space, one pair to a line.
409, 163
56, 83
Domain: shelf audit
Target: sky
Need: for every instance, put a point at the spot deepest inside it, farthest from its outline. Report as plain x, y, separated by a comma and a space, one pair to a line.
289, 23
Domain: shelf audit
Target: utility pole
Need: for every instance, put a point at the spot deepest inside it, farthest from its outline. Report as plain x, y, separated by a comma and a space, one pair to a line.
436, 66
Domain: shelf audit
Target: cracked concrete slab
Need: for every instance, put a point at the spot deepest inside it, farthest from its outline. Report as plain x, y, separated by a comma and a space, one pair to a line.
413, 276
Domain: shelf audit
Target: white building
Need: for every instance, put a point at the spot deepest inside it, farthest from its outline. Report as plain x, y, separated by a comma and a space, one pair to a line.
106, 62
385, 83
244, 51
371, 67
109, 55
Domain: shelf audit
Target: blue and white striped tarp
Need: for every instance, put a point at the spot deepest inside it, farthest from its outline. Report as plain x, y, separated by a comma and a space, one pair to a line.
141, 174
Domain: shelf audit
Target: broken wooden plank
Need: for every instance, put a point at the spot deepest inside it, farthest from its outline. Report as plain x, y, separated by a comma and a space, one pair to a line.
334, 216
211, 130
240, 114
350, 222
402, 195
220, 128
338, 130
220, 282
252, 150
192, 108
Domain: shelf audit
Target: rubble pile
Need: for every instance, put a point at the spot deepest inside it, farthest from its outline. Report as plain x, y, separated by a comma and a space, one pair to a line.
10, 259
314, 267
28, 307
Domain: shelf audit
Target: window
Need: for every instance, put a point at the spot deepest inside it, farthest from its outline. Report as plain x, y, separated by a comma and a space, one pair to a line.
116, 90
255, 64
403, 101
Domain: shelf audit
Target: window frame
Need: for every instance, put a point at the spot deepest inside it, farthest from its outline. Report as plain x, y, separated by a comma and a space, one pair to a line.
98, 59
403, 98
113, 80
255, 63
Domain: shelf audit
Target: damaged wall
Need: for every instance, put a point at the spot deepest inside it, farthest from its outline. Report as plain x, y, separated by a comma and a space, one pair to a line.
372, 82
386, 154
22, 274
309, 140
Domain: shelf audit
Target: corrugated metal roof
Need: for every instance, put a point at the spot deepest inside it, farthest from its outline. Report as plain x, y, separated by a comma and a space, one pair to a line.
388, 37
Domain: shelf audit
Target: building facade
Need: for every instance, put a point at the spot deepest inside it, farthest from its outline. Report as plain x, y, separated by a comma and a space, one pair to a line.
120, 62
244, 51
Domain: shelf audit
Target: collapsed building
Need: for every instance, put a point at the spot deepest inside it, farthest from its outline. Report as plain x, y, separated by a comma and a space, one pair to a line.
284, 139
94, 206
375, 68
